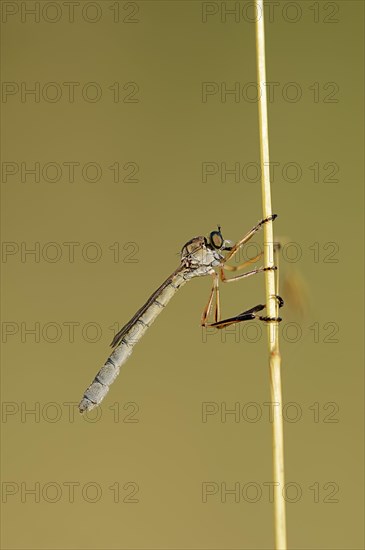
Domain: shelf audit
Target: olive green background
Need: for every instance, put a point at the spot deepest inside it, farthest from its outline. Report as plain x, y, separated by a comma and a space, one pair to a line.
168, 451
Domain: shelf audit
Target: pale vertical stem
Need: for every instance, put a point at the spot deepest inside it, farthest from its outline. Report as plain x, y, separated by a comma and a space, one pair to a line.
273, 332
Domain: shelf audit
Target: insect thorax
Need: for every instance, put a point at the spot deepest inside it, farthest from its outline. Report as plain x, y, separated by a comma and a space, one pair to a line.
200, 257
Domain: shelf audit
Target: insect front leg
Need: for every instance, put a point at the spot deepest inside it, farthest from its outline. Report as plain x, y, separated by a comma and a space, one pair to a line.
248, 236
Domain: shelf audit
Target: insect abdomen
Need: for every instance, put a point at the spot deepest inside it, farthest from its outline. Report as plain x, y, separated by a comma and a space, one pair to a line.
98, 389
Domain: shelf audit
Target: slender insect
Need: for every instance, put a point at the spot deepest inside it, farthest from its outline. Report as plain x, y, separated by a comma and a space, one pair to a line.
199, 257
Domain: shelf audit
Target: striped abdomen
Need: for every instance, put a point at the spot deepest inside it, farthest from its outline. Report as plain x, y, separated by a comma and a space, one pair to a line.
128, 336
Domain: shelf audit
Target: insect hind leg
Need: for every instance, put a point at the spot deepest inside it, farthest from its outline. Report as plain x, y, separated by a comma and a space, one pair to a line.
249, 315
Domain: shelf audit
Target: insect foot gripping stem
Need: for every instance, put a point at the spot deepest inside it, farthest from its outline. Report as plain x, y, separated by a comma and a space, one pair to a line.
273, 319
279, 300
270, 319
270, 218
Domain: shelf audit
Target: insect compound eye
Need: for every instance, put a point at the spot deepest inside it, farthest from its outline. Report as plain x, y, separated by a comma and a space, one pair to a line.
216, 239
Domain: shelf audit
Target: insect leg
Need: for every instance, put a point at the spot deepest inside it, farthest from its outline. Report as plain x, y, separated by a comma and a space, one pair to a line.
244, 264
213, 293
248, 315
248, 236
244, 275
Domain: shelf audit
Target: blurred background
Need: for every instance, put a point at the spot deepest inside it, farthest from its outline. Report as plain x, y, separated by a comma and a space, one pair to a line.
129, 128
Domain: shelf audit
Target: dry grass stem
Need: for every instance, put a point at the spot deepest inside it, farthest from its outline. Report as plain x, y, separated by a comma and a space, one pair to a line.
273, 329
